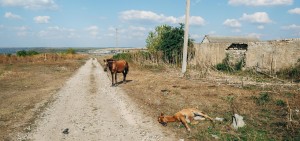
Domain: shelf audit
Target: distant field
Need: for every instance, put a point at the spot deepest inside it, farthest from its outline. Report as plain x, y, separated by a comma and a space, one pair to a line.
57, 50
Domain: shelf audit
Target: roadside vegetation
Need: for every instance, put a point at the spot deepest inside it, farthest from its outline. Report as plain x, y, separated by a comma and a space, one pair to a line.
270, 109
292, 73
269, 106
27, 84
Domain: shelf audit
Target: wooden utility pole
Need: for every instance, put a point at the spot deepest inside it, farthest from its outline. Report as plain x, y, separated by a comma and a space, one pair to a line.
186, 33
116, 37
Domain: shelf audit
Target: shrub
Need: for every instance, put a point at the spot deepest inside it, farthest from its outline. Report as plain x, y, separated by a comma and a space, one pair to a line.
21, 53
291, 73
280, 103
224, 67
123, 56
70, 51
32, 52
263, 98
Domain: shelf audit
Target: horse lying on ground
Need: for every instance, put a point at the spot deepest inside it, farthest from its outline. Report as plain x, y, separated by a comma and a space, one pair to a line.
184, 116
116, 66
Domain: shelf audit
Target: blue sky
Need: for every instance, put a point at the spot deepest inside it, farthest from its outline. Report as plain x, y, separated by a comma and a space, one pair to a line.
93, 23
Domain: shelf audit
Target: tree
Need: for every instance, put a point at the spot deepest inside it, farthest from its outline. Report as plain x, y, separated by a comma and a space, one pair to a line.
154, 39
21, 53
169, 40
70, 51
32, 52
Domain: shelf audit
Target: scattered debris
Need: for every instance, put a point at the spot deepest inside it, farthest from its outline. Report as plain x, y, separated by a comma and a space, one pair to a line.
237, 121
219, 119
66, 131
215, 136
165, 91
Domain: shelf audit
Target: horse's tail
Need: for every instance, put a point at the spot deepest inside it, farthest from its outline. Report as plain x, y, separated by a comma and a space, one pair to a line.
126, 68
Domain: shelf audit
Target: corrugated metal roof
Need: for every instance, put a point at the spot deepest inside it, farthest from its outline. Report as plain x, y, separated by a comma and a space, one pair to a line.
228, 39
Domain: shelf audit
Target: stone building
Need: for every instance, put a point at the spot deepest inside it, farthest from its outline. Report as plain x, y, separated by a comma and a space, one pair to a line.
268, 56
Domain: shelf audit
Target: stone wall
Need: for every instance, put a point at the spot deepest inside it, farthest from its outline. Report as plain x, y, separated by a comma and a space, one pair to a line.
266, 56
273, 55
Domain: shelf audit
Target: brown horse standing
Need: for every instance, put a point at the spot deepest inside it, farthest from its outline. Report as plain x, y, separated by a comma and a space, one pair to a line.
116, 66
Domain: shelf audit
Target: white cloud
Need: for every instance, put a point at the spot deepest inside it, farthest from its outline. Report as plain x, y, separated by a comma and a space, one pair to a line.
258, 17
30, 4
137, 31
212, 32
41, 19
93, 30
10, 15
131, 32
232, 23
58, 33
22, 30
260, 27
236, 30
158, 18
260, 2
294, 11
196, 20
291, 27
146, 15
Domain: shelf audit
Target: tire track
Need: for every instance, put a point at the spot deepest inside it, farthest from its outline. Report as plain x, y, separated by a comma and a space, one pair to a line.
92, 110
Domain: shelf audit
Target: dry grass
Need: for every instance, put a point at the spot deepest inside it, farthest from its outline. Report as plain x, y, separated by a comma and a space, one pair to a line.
27, 85
162, 90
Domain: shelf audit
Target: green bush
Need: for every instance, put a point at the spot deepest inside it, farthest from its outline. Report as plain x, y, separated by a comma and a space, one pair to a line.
26, 53
32, 52
122, 56
263, 98
291, 73
224, 67
21, 53
280, 103
71, 51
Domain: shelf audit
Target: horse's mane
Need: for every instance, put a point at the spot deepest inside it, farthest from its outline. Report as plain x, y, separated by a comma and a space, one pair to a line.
110, 60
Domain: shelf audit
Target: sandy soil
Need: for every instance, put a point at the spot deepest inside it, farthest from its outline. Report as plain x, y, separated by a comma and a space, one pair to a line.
93, 110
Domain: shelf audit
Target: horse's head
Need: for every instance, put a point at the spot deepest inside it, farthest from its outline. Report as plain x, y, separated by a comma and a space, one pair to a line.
107, 63
162, 120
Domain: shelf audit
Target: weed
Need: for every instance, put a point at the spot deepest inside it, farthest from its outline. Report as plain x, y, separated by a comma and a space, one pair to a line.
229, 67
289, 95
280, 102
153, 67
250, 87
249, 133
263, 98
290, 73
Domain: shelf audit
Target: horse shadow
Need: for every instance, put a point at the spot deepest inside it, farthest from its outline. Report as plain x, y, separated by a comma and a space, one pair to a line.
122, 82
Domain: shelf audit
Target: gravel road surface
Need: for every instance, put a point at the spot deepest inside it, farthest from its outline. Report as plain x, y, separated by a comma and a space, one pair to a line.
87, 108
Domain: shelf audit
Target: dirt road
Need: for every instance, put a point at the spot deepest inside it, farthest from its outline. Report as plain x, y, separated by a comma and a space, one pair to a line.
93, 110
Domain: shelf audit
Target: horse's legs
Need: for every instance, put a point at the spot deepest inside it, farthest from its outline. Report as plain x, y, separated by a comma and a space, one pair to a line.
116, 80
112, 79
124, 76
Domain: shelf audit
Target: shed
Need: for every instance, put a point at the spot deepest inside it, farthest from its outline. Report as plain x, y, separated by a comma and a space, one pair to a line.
228, 39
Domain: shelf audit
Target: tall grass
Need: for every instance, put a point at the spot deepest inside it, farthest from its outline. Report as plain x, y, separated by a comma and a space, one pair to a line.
292, 73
